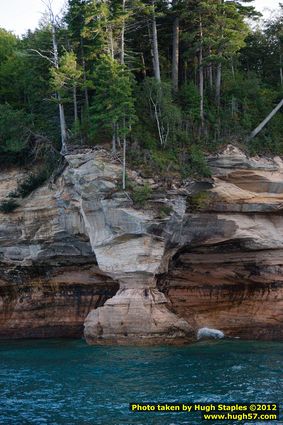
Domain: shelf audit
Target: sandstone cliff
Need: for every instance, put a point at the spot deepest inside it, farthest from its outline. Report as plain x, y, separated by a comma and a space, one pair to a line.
79, 251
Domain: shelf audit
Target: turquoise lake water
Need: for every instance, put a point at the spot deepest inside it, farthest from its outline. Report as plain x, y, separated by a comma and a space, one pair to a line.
67, 382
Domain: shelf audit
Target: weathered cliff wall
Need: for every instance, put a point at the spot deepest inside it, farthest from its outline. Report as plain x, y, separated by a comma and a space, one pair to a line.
78, 251
49, 278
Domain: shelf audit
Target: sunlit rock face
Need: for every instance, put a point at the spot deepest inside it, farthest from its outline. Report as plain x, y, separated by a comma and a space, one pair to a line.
129, 249
78, 251
136, 316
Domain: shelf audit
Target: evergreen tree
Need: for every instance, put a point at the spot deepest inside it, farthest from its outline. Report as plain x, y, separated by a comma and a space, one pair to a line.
113, 103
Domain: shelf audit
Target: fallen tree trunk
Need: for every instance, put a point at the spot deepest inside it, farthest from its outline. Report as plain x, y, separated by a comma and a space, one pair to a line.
265, 121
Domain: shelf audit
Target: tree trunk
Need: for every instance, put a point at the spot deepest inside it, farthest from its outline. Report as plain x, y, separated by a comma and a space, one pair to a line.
111, 42
210, 72
124, 158
113, 138
118, 140
84, 76
266, 120
219, 67
123, 34
218, 84
151, 45
201, 79
175, 55
233, 69
63, 126
76, 116
185, 72
143, 65
156, 65
124, 162
281, 71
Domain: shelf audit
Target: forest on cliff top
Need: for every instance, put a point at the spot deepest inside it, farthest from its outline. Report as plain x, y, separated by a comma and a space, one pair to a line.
166, 80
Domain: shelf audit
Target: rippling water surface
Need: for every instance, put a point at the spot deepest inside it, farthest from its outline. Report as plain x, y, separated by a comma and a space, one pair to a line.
67, 382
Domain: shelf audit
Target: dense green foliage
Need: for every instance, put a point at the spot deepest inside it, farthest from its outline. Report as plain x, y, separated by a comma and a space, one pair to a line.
141, 194
32, 182
14, 133
8, 205
219, 80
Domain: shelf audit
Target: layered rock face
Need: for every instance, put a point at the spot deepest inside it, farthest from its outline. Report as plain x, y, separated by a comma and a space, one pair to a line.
228, 273
79, 250
46, 301
49, 278
72, 245
129, 249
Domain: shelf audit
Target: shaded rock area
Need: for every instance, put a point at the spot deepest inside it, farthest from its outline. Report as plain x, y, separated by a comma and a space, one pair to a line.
78, 251
49, 302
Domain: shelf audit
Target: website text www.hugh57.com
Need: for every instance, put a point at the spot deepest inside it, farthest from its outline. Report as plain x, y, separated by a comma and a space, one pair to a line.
252, 416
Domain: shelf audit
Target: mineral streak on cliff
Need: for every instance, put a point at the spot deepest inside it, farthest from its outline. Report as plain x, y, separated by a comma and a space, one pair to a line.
78, 251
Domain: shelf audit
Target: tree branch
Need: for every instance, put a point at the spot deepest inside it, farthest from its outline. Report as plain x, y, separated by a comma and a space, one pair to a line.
42, 56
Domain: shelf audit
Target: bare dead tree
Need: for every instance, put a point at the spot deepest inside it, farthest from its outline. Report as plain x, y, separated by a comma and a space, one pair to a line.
54, 60
265, 121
